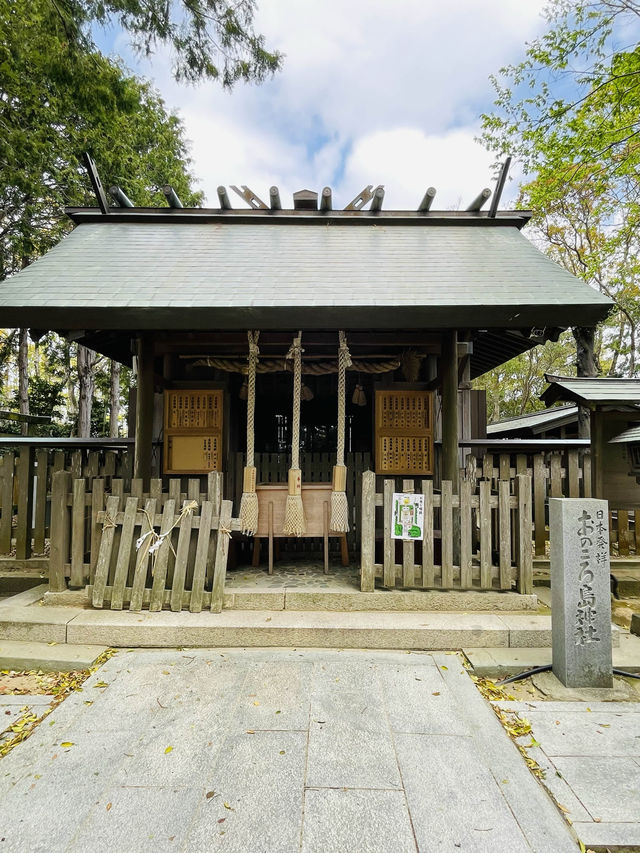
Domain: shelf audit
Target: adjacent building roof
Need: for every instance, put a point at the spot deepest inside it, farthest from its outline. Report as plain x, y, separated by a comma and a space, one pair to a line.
629, 436
534, 422
181, 269
591, 390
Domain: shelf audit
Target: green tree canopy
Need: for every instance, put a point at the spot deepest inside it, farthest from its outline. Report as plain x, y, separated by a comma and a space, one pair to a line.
570, 113
211, 39
575, 98
56, 101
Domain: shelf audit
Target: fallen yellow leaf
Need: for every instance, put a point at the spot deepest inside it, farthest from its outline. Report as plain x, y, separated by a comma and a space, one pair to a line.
67, 743
168, 749
109, 806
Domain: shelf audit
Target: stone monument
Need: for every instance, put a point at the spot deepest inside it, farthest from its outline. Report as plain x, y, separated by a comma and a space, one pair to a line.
580, 592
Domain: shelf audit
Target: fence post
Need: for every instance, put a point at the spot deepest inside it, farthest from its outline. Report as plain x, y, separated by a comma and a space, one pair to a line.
368, 532
6, 501
24, 473
525, 559
60, 524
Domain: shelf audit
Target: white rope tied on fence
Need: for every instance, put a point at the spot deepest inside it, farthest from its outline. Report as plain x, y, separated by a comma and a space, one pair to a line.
249, 500
150, 542
109, 521
339, 521
294, 521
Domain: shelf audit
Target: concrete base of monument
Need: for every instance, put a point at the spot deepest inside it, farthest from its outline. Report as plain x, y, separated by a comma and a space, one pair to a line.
548, 684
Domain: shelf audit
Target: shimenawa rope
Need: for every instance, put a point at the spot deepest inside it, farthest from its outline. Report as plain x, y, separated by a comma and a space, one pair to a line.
249, 500
339, 521
294, 522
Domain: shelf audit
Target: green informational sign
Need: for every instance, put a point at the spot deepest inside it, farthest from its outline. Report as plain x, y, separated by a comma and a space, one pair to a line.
407, 521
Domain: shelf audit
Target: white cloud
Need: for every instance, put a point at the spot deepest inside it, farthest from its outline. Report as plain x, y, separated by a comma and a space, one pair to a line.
397, 87
407, 161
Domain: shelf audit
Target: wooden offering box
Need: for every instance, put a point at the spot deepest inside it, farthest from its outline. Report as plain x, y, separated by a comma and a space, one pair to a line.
316, 498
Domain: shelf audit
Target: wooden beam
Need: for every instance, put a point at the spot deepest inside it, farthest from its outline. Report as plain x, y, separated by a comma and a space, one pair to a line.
250, 197
223, 198
427, 200
376, 202
497, 195
144, 408
449, 373
274, 198
96, 183
172, 197
326, 201
361, 199
479, 200
120, 196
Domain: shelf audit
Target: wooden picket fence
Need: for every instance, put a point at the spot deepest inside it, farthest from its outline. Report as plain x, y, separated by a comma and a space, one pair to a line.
485, 539
94, 535
26, 478
553, 474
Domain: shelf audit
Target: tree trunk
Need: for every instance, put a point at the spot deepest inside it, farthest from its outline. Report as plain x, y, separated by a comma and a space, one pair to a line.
23, 377
586, 365
86, 387
114, 398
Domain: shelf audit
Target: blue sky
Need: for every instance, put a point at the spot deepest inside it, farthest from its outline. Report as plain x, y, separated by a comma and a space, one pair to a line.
372, 92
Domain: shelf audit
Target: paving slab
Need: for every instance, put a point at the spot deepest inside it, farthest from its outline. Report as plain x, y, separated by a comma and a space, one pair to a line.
114, 823
181, 748
345, 821
609, 837
591, 754
20, 655
608, 787
258, 801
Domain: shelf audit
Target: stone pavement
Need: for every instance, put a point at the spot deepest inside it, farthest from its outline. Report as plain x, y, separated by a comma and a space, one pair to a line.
590, 752
275, 750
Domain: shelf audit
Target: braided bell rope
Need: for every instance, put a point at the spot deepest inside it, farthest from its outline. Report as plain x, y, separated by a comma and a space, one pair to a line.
339, 521
294, 521
254, 353
249, 507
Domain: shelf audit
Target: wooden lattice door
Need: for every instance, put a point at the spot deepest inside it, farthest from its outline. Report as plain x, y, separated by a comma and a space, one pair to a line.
404, 432
193, 431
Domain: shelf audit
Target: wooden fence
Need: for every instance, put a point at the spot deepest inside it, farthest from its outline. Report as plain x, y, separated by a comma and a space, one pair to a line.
26, 478
95, 536
484, 539
553, 474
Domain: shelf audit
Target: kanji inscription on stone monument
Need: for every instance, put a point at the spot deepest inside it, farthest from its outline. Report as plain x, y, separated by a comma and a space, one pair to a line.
580, 597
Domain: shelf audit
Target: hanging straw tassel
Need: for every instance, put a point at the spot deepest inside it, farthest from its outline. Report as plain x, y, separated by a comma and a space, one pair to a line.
249, 499
294, 522
339, 521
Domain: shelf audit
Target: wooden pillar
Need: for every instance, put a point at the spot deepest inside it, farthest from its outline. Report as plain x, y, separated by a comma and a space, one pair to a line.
144, 408
449, 374
597, 454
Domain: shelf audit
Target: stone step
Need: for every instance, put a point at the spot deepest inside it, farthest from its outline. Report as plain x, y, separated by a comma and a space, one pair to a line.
19, 655
338, 599
351, 601
503, 662
375, 630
